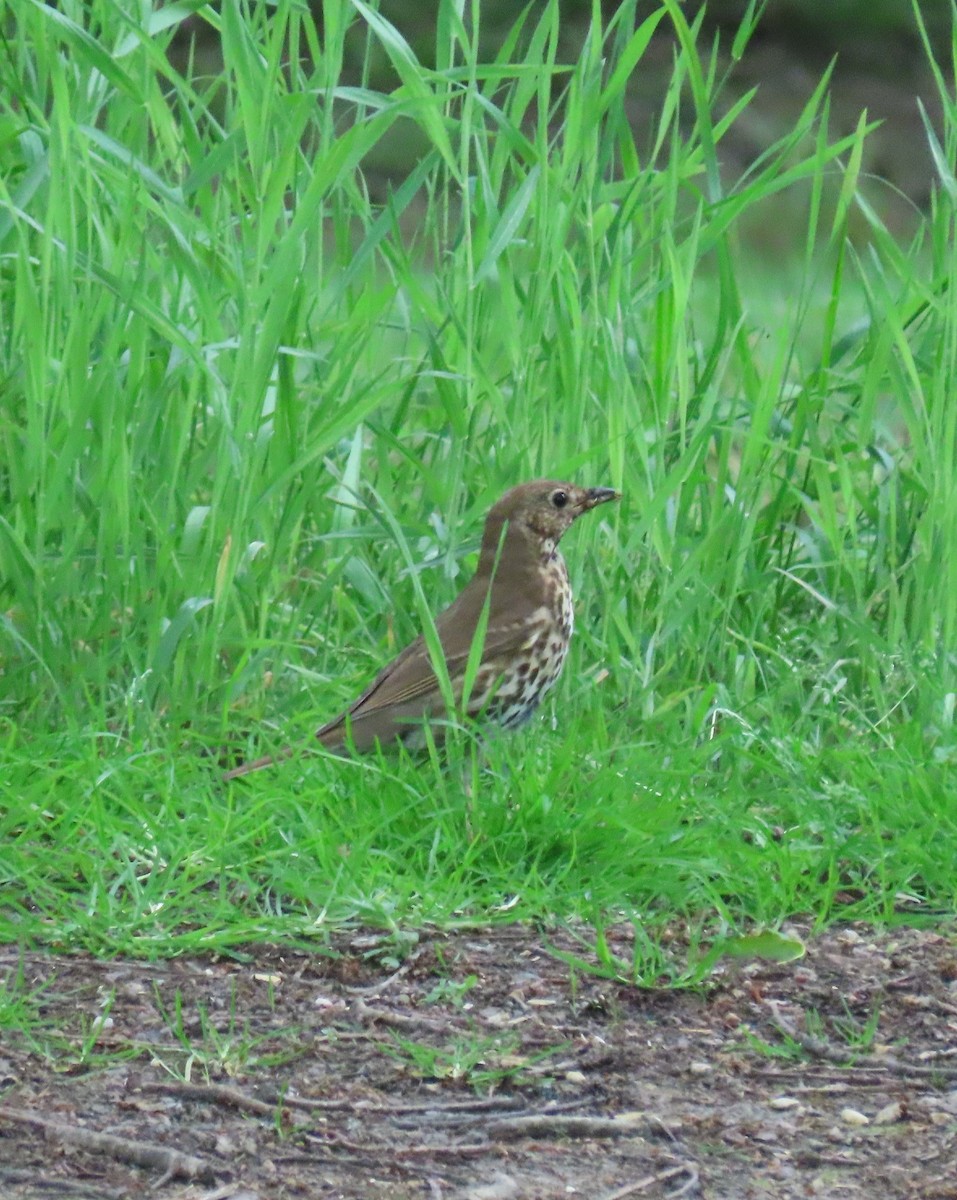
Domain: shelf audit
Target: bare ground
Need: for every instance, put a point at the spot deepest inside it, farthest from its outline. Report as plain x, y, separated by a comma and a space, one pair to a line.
479, 1067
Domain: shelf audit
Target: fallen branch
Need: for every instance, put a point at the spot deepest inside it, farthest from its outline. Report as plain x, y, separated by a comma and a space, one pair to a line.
47, 1183
445, 1117
215, 1093
370, 1014
448, 1150
886, 1063
510, 1128
172, 1163
439, 1107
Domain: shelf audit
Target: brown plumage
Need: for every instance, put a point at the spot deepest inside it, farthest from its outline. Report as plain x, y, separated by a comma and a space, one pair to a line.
530, 620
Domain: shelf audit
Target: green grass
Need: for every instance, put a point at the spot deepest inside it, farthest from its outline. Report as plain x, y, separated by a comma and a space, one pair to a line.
247, 407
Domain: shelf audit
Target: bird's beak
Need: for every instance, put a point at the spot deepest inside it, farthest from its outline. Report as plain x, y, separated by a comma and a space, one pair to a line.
596, 496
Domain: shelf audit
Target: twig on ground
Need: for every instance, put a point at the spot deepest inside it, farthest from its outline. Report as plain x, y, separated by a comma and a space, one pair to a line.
215, 1093
449, 1150
690, 1185
887, 1063
478, 1104
370, 1015
395, 1154
444, 1117
173, 1163
352, 1153
47, 1183
376, 989
539, 1125
642, 1185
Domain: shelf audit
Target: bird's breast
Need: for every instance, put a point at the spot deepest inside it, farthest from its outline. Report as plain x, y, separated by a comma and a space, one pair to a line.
558, 594
510, 691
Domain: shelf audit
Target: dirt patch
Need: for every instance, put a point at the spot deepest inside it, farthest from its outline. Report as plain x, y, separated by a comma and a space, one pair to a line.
476, 1065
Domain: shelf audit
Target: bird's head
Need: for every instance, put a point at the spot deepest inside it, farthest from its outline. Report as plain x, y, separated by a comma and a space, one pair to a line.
538, 513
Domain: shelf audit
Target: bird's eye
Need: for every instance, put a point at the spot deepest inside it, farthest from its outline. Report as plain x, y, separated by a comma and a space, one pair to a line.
559, 499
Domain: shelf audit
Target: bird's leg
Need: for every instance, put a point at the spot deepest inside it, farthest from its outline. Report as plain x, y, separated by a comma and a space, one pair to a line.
470, 783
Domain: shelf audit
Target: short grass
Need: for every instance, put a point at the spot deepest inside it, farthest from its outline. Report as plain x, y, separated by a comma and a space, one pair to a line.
252, 412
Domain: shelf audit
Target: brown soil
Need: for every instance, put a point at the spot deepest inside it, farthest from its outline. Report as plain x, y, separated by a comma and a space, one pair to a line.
481, 1067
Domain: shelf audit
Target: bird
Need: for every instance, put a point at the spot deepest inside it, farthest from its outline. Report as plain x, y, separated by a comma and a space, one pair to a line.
521, 584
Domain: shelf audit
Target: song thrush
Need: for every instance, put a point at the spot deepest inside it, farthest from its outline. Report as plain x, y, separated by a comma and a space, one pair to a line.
524, 579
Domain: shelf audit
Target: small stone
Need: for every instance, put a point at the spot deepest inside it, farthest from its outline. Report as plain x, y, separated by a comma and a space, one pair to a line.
700, 1068
851, 1116
784, 1102
889, 1114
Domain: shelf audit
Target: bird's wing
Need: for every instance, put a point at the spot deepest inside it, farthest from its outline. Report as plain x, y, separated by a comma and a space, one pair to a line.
410, 676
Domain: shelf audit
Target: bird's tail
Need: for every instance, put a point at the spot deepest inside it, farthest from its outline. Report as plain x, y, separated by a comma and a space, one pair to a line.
329, 736
257, 764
